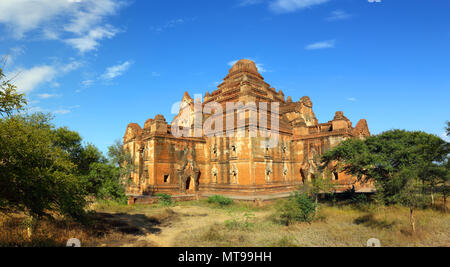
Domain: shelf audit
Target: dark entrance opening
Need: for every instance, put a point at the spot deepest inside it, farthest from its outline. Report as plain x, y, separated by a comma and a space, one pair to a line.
336, 176
302, 174
188, 183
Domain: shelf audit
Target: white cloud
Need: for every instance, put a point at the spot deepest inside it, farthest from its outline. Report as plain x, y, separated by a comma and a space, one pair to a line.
338, 15
445, 137
47, 96
28, 80
62, 111
231, 63
286, 6
261, 68
22, 16
73, 65
117, 70
55, 84
34, 109
87, 83
13, 53
81, 22
91, 12
321, 45
90, 41
352, 99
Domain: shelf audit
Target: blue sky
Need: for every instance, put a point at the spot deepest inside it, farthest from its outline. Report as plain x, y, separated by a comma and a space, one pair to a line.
98, 65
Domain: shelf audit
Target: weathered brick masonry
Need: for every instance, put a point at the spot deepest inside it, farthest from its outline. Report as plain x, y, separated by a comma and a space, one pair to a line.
237, 166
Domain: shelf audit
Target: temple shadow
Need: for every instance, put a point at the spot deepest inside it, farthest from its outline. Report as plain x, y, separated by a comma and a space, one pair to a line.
131, 224
370, 221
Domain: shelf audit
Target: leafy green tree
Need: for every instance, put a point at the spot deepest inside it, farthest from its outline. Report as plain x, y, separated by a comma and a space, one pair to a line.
104, 178
447, 128
319, 184
444, 182
69, 142
434, 176
10, 99
394, 161
103, 182
409, 192
89, 154
82, 156
101, 179
123, 159
299, 207
36, 176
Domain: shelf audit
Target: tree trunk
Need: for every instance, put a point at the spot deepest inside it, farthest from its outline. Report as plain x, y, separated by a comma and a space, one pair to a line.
432, 196
445, 202
31, 226
317, 202
412, 220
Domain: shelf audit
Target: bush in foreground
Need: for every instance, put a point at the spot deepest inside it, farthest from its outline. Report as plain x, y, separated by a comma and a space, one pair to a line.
220, 200
298, 208
165, 199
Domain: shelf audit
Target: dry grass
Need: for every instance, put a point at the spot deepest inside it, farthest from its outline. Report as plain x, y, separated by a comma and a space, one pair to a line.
198, 223
48, 233
104, 230
337, 226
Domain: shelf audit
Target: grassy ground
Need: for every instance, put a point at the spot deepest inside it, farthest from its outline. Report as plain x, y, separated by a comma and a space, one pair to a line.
198, 223
336, 226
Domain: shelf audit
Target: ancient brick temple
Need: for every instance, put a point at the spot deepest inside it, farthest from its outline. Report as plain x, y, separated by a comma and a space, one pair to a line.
239, 165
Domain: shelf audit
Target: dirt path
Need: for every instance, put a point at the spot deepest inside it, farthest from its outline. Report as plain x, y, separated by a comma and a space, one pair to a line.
161, 229
187, 218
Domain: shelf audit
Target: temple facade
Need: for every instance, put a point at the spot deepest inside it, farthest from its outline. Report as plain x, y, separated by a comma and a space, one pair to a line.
271, 155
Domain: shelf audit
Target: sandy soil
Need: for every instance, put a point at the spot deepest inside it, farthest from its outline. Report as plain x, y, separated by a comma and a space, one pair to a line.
160, 229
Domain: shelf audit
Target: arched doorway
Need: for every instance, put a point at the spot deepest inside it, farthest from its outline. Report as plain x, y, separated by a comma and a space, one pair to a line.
188, 177
188, 184
303, 175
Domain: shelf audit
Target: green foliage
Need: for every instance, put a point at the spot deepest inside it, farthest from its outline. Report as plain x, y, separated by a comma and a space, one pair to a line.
36, 175
403, 189
243, 223
69, 142
45, 170
82, 156
101, 179
391, 159
321, 183
360, 199
10, 99
402, 165
165, 199
299, 207
121, 158
103, 182
89, 154
220, 200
